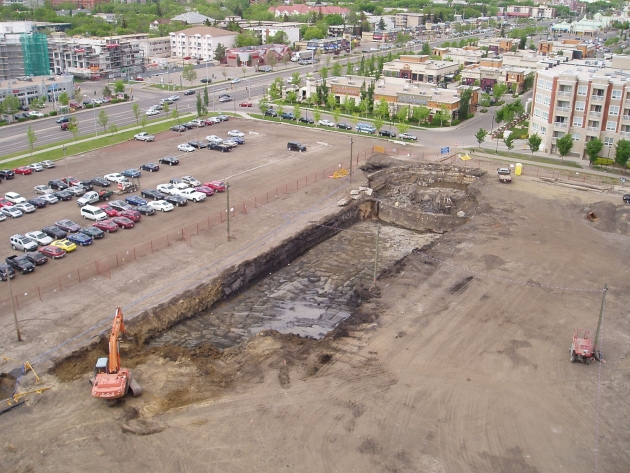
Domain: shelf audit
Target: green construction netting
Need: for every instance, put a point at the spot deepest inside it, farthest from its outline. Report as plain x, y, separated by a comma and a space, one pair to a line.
35, 50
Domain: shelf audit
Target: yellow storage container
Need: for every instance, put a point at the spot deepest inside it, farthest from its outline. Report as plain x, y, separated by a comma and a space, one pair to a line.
518, 169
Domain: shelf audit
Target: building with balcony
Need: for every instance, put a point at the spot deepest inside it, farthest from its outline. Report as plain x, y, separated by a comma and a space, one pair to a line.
464, 56
490, 72
420, 69
409, 20
499, 45
200, 42
572, 48
266, 30
584, 100
94, 58
530, 12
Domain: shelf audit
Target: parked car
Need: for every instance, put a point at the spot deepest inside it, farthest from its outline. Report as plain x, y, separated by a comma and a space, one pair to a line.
64, 119
49, 198
123, 222
176, 200
6, 272
107, 226
76, 191
236, 133
133, 215
191, 181
237, 139
167, 189
198, 144
36, 114
135, 200
63, 195
35, 167
327, 123
145, 209
23, 170
408, 136
169, 160
68, 226
131, 173
151, 112
14, 198
205, 190
115, 177
100, 181
344, 126
217, 186
42, 189
219, 147
174, 98
287, 116
270, 112
11, 211
150, 167
57, 184
38, 202
54, 232
26, 207
388, 133
179, 128
192, 194
36, 258
22, 243
185, 147
80, 239
53, 252
189, 92
64, 244
161, 205
119, 205
306, 120
152, 194
6, 174
205, 81
93, 232
21, 263
47, 163
39, 237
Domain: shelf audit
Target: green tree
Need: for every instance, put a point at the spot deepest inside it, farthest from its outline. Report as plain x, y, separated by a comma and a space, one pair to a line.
403, 114
167, 108
464, 104
331, 102
107, 92
144, 121
136, 111
336, 70
206, 98
443, 115
593, 149
426, 49
336, 115
297, 111
355, 119
263, 106
323, 72
199, 105
498, 91
317, 115
220, 52
102, 120
272, 60
189, 73
522, 42
378, 124
246, 38
295, 79
481, 136
64, 99
119, 87
30, 135
349, 68
382, 109
534, 142
564, 145
622, 153
113, 128
509, 141
403, 127
421, 114
10, 104
291, 96
73, 127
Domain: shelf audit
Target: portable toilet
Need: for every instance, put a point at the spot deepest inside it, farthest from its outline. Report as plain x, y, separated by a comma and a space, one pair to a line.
518, 169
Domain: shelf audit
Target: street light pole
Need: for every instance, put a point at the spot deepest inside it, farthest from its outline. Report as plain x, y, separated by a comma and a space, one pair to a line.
17, 325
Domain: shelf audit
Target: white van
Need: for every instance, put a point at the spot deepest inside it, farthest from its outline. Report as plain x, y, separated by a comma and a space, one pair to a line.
93, 213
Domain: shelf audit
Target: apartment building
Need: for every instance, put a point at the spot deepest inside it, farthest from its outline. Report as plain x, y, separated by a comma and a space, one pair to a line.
585, 99
200, 42
408, 20
573, 48
530, 12
94, 58
420, 69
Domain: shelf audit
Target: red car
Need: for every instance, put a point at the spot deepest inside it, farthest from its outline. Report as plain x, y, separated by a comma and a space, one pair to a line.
108, 226
53, 252
131, 215
245, 104
71, 181
110, 211
23, 170
217, 186
205, 190
5, 203
208, 122
123, 222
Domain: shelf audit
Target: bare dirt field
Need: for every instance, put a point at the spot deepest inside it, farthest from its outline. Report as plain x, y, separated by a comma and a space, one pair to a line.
459, 364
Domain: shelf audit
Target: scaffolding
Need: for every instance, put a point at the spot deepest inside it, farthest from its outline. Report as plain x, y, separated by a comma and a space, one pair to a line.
35, 53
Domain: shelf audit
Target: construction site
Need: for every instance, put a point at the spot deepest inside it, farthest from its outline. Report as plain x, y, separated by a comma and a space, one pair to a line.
418, 317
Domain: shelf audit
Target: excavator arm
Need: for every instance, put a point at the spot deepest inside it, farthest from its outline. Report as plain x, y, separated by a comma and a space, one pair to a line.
113, 364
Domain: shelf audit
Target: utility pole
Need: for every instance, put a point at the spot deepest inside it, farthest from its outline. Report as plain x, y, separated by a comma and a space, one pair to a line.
17, 325
596, 350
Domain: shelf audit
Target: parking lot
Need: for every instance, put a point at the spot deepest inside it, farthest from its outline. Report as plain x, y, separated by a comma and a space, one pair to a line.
249, 168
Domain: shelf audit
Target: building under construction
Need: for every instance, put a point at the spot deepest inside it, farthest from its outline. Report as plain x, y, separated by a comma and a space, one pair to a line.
23, 51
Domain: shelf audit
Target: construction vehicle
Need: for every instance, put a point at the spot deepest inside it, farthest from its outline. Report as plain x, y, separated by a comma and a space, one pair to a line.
127, 186
94, 196
582, 347
112, 382
505, 175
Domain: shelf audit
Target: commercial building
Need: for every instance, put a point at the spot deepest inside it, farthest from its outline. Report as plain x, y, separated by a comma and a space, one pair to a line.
396, 92
490, 72
200, 42
254, 56
463, 56
530, 12
572, 48
420, 69
35, 87
266, 30
586, 99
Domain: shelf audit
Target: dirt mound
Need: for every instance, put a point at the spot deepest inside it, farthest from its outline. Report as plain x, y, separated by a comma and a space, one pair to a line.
608, 217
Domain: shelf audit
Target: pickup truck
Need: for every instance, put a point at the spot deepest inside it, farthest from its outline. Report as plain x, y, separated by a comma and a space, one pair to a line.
144, 136
21, 263
505, 175
94, 196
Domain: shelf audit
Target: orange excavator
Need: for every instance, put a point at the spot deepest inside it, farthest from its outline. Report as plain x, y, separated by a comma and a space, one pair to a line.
111, 382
